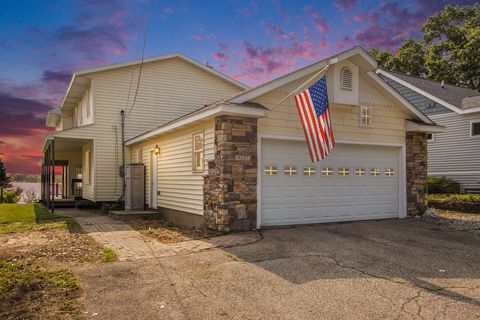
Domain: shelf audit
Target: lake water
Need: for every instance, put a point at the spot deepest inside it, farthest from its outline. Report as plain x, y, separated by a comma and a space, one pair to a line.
34, 186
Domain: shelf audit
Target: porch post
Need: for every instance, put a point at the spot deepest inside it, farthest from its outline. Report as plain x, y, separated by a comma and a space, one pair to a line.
53, 175
47, 178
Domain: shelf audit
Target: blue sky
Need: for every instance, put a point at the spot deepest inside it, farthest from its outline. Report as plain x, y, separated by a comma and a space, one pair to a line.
43, 42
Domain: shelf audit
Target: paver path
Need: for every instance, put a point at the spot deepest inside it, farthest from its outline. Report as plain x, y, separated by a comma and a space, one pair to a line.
129, 244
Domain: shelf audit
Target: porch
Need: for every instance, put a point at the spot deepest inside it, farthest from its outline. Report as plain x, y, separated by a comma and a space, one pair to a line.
62, 171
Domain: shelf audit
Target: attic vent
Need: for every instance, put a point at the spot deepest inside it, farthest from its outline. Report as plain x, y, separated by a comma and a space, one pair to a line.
346, 79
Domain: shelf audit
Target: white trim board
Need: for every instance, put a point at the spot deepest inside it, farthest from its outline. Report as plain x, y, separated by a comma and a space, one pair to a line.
402, 181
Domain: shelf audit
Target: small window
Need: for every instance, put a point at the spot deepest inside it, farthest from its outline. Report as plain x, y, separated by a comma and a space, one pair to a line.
309, 171
270, 170
346, 78
344, 172
430, 137
290, 170
389, 172
365, 116
475, 129
198, 152
327, 171
375, 172
360, 171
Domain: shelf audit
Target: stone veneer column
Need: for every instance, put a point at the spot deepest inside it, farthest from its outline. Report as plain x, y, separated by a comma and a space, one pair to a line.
416, 152
230, 187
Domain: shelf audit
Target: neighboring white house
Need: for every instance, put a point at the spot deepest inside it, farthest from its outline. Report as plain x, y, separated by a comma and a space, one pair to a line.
455, 153
215, 154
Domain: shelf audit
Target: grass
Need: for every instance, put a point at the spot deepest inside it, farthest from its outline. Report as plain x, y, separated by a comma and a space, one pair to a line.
109, 255
29, 217
455, 197
19, 278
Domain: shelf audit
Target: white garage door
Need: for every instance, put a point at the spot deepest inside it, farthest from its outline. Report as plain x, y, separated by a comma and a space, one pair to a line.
356, 182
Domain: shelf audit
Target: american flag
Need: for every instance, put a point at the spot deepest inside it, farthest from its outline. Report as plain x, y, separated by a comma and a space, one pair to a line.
312, 106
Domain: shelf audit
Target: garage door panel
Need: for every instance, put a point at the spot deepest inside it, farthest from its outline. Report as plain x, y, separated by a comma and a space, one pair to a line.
300, 198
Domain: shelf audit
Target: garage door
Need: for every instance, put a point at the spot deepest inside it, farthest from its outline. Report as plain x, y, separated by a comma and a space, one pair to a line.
354, 183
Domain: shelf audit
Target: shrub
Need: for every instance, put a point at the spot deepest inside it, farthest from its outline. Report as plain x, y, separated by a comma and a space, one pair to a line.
29, 196
12, 195
458, 202
442, 185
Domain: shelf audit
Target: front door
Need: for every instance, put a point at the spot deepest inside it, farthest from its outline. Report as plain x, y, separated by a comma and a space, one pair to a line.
153, 180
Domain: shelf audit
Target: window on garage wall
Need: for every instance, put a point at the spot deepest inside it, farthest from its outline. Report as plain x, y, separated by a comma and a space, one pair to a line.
197, 156
365, 116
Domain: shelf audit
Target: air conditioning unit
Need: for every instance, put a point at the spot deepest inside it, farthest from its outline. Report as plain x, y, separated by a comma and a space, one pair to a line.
135, 186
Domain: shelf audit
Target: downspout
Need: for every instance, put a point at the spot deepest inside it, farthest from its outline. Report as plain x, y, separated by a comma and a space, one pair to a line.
122, 168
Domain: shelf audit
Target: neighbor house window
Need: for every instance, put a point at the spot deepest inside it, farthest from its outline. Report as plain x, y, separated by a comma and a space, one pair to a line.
365, 116
430, 137
270, 170
198, 152
346, 79
475, 129
290, 170
88, 169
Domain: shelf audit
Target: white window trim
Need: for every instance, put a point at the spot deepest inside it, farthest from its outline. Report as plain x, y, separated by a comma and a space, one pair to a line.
87, 178
202, 152
360, 118
471, 129
433, 137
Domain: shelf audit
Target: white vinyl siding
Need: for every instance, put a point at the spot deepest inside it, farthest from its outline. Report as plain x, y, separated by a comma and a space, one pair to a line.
168, 89
388, 127
455, 154
180, 188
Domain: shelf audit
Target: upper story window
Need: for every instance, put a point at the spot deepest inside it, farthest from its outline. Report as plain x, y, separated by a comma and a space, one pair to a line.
475, 129
197, 142
346, 79
365, 116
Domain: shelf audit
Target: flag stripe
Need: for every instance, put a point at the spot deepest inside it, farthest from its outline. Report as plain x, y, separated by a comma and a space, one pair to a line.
313, 125
305, 130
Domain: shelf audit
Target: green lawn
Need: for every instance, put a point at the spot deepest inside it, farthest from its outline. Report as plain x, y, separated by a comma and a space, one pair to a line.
28, 217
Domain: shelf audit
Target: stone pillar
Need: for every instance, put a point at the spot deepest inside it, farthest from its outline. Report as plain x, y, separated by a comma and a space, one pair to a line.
416, 152
230, 187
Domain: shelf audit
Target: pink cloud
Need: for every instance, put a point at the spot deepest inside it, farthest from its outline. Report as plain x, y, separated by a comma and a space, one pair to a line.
318, 19
345, 5
219, 56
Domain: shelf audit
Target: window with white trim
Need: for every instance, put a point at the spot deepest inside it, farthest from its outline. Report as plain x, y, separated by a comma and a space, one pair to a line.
197, 147
389, 172
327, 171
375, 172
359, 171
343, 172
346, 79
270, 170
365, 116
475, 129
309, 171
290, 170
430, 137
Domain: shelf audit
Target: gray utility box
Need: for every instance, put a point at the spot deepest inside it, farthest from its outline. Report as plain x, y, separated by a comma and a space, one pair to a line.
135, 186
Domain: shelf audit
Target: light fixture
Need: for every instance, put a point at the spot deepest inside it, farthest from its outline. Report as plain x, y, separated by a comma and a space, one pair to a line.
157, 150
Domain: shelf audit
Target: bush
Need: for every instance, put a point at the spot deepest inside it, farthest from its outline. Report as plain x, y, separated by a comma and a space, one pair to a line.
442, 185
457, 202
12, 195
29, 196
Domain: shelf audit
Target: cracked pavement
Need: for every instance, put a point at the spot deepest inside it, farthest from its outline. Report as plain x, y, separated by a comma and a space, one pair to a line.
391, 269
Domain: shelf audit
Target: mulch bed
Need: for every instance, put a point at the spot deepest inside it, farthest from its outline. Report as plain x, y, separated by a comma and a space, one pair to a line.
166, 233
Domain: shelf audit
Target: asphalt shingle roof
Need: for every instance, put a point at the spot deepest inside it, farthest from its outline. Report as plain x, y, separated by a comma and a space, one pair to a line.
449, 93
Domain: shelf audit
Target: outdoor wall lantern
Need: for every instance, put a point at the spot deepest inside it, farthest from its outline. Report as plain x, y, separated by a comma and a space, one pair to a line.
157, 150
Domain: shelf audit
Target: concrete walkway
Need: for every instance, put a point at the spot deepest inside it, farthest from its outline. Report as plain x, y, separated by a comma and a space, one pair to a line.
129, 244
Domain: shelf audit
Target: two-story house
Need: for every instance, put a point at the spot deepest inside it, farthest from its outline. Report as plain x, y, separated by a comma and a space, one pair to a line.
455, 153
219, 154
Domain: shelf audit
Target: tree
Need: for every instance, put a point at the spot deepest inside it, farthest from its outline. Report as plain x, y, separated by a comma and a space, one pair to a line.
452, 38
449, 49
4, 180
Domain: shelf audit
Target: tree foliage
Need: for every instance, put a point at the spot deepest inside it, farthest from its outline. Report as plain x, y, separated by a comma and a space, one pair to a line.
449, 49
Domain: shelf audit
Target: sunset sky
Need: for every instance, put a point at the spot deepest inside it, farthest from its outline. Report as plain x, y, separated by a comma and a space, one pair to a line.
42, 42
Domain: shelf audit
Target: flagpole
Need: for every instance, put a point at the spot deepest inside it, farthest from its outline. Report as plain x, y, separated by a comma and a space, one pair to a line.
299, 87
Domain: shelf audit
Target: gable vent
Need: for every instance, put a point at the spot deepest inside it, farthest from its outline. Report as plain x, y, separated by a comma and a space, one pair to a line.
346, 79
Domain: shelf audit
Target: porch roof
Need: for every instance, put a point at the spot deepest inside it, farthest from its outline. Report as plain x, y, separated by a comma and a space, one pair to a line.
64, 144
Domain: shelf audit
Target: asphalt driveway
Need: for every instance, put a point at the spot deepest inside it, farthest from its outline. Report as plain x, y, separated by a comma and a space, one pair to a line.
393, 269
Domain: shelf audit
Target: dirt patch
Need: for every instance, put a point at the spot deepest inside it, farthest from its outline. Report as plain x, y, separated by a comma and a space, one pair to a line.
168, 234
51, 247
